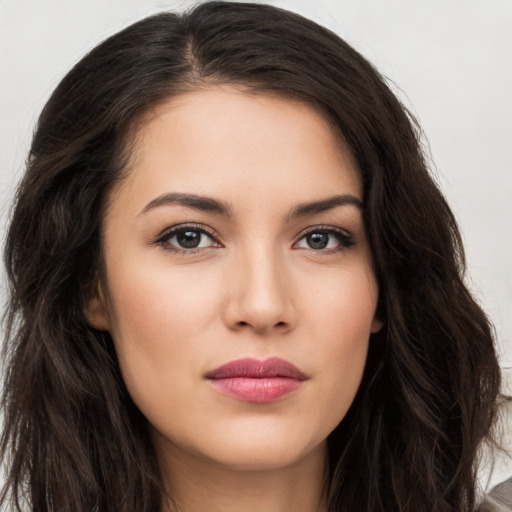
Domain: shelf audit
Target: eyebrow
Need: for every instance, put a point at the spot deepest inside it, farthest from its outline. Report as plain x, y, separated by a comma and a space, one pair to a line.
208, 204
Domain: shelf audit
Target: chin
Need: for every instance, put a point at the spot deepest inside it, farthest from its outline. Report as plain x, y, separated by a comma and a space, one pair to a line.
262, 453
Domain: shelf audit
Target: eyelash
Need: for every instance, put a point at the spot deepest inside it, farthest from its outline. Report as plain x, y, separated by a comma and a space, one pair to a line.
345, 239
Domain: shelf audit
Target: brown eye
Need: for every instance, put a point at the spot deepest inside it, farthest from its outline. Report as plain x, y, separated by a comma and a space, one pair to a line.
318, 240
327, 239
186, 239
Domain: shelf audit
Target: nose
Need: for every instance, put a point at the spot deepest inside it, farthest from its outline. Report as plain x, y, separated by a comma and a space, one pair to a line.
259, 294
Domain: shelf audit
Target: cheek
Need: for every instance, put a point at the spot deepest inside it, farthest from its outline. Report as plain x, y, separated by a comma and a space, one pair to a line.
342, 320
343, 309
159, 304
158, 324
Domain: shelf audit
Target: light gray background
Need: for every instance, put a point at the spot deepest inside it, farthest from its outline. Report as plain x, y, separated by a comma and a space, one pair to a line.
450, 62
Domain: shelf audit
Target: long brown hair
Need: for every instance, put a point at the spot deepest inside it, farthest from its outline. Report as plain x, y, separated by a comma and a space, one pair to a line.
73, 439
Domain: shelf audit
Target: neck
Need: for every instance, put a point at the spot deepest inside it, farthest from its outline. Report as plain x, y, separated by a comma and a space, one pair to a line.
198, 485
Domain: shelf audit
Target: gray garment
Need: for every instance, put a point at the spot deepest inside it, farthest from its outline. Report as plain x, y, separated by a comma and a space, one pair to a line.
499, 499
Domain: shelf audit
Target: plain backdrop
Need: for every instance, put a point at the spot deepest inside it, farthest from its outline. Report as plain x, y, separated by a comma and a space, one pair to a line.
450, 62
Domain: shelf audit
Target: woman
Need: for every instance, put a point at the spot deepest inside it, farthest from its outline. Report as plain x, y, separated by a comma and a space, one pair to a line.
243, 290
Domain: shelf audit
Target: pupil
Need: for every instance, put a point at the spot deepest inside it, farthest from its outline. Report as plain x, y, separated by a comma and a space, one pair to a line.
188, 239
318, 240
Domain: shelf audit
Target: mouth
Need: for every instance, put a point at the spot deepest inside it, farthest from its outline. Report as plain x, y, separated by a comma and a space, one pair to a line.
251, 380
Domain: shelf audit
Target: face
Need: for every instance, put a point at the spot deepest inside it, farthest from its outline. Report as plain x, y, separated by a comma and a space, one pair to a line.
238, 235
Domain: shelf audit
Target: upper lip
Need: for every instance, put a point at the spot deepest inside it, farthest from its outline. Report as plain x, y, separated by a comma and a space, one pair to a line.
253, 368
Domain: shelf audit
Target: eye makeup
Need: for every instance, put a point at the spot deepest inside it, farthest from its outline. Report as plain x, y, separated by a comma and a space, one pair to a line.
188, 239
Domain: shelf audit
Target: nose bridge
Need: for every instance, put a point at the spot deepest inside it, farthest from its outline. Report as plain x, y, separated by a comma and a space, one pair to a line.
259, 288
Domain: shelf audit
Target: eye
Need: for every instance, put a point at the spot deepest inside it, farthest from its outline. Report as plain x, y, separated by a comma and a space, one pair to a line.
327, 239
187, 239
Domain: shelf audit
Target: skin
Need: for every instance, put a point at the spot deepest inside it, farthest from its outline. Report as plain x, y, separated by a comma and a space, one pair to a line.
256, 288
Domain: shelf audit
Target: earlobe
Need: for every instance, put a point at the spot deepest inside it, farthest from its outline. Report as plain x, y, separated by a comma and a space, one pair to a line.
96, 310
377, 325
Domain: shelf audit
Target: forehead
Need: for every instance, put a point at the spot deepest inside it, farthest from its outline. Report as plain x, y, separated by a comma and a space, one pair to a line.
225, 141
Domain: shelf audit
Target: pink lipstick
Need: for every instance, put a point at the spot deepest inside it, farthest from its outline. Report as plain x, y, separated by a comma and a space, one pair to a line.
257, 381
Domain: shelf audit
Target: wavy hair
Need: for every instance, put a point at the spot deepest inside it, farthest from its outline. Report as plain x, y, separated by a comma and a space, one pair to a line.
73, 440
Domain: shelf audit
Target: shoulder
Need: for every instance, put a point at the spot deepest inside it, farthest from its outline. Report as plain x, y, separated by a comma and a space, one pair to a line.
499, 499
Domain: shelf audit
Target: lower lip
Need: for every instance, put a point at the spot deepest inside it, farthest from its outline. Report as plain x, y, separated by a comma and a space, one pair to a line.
256, 390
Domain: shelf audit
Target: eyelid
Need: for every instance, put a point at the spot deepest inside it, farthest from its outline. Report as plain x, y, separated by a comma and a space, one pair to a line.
325, 228
169, 232
184, 225
346, 239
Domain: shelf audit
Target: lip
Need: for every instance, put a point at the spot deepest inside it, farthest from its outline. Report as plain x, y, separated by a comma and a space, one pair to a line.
252, 380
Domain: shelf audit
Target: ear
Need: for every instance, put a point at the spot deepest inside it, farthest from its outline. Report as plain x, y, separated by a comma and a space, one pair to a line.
377, 325
96, 310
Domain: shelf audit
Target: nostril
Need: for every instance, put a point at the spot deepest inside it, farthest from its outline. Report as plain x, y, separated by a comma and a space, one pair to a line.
278, 325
